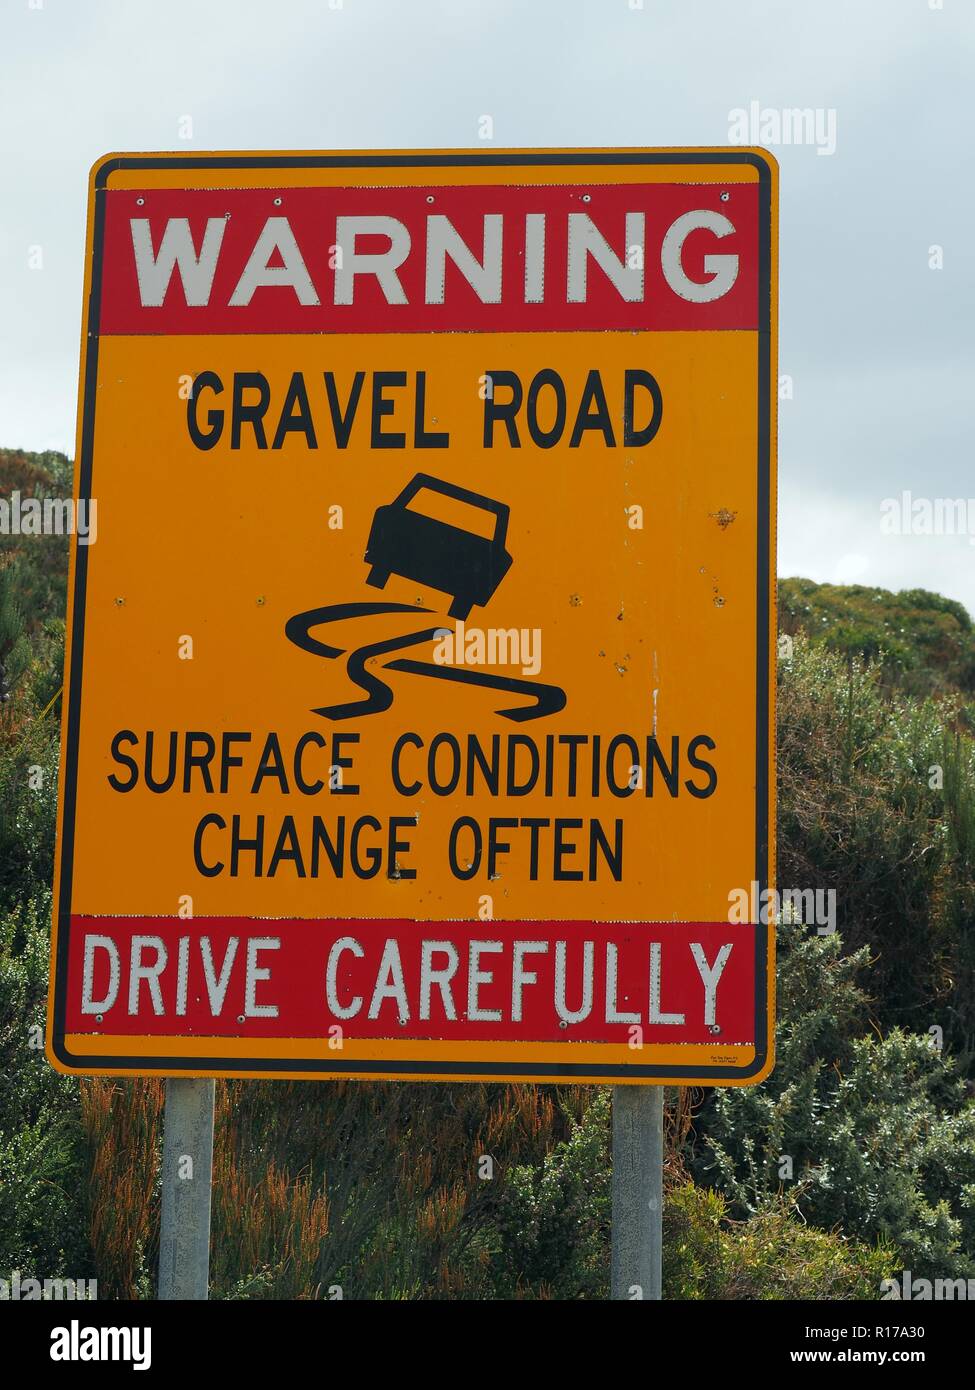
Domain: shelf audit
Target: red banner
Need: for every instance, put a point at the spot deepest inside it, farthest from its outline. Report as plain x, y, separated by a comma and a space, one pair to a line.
513, 981
549, 258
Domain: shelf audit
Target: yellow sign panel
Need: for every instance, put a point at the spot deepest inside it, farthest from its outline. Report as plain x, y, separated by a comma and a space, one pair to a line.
420, 678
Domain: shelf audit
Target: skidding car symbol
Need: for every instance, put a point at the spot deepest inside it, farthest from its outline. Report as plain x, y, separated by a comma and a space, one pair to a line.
461, 563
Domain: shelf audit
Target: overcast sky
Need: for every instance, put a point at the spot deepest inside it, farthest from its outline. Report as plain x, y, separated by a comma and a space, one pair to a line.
878, 344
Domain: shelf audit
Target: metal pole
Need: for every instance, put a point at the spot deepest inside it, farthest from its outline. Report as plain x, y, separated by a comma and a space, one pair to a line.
638, 1159
187, 1171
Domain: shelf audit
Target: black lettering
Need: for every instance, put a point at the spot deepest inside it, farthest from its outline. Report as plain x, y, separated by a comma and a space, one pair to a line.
239, 845
505, 411
465, 823
621, 741
335, 850
701, 741
496, 846
422, 437
307, 788
290, 421
562, 850
586, 419
513, 787
546, 439
613, 857
655, 758
271, 765
342, 422
192, 760
398, 847
534, 824
229, 760
252, 415
151, 781
415, 741
374, 856
636, 438
124, 736
489, 771
574, 742
382, 407
436, 786
209, 438
207, 870
347, 788
286, 848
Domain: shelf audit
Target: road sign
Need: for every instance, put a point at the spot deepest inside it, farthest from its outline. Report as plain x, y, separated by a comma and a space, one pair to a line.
420, 679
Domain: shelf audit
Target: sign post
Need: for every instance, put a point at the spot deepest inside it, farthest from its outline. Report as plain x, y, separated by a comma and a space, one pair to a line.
420, 682
638, 1194
187, 1167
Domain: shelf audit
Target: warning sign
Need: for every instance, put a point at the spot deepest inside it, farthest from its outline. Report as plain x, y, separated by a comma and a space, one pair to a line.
420, 680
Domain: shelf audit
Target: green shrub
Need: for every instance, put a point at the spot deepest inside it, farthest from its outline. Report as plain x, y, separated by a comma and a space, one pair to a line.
878, 1131
42, 561
42, 1226
924, 642
770, 1256
29, 746
554, 1217
858, 814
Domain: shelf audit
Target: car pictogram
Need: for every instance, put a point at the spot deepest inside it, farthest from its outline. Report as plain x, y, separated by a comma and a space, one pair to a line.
467, 566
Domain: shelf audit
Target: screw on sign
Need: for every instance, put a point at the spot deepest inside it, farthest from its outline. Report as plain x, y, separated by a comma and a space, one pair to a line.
464, 792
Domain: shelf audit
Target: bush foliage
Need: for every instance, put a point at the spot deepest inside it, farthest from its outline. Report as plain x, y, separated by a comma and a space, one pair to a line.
874, 1136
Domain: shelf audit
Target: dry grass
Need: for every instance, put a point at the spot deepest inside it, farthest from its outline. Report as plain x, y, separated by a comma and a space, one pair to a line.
122, 1123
